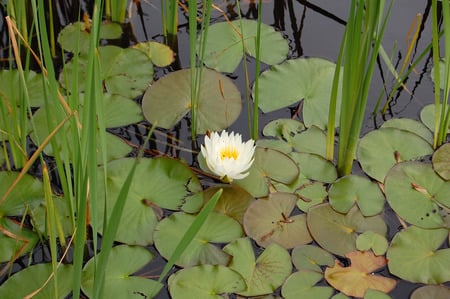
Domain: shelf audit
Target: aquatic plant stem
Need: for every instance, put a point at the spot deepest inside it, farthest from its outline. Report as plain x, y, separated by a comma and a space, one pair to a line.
255, 126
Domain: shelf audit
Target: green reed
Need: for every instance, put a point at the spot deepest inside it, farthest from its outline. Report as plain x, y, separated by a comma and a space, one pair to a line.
115, 10
358, 54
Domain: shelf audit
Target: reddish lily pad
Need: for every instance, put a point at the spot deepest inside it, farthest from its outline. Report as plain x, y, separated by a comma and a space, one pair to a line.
357, 278
269, 220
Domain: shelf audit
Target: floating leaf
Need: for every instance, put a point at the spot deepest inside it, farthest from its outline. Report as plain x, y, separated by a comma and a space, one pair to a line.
416, 192
353, 189
283, 128
313, 140
158, 183
271, 164
427, 115
315, 167
410, 125
269, 220
33, 277
357, 278
126, 72
302, 284
12, 92
217, 228
120, 282
219, 103
441, 161
307, 79
233, 202
381, 149
63, 212
264, 275
414, 255
205, 282
160, 54
224, 48
310, 257
337, 232
310, 194
15, 239
370, 240
431, 291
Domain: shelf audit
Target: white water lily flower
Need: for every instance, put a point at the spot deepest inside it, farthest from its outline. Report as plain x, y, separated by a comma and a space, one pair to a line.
227, 156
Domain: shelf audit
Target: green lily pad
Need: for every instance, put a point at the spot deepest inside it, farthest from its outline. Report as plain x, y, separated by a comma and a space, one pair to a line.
275, 144
302, 284
18, 242
310, 258
414, 255
63, 213
410, 125
219, 103
431, 291
158, 183
375, 294
263, 275
283, 128
11, 89
268, 164
315, 167
120, 282
160, 54
126, 72
313, 140
427, 115
310, 194
381, 149
268, 220
370, 240
307, 79
416, 192
224, 48
32, 278
233, 202
337, 232
353, 189
205, 282
218, 228
441, 161
120, 111
28, 192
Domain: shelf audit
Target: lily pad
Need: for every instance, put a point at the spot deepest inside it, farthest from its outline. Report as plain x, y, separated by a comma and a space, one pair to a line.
307, 79
410, 125
353, 189
233, 202
268, 220
337, 232
268, 164
315, 167
219, 103
381, 149
357, 278
313, 140
427, 115
264, 275
441, 161
15, 239
160, 54
120, 282
283, 128
310, 194
369, 240
158, 183
33, 277
12, 91
416, 192
62, 210
431, 291
205, 282
218, 228
302, 284
310, 258
224, 48
414, 255
126, 72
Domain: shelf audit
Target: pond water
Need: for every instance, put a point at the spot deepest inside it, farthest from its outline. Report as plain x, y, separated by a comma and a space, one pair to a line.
314, 29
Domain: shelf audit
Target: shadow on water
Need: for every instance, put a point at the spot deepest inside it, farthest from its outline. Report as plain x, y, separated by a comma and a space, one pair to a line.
312, 29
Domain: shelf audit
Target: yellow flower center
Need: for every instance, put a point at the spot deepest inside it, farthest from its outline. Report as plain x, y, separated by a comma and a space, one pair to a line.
229, 152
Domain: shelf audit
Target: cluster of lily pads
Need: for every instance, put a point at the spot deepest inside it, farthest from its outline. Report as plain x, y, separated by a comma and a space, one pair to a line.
283, 230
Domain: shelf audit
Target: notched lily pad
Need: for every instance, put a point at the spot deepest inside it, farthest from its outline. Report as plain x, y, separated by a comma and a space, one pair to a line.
369, 240
414, 255
224, 48
11, 89
302, 284
205, 282
219, 103
268, 220
16, 240
283, 128
427, 115
263, 275
160, 54
381, 149
217, 228
417, 194
441, 161
310, 258
337, 232
307, 79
